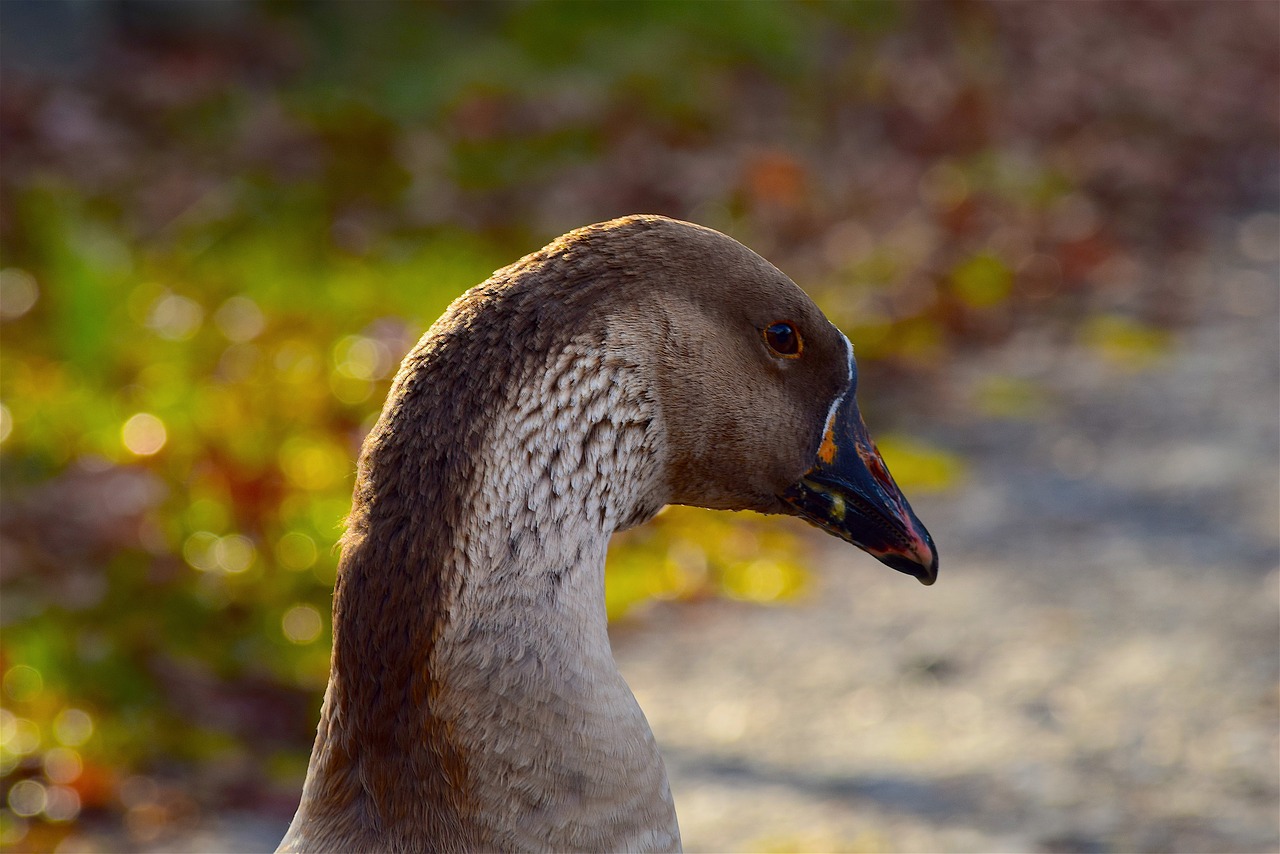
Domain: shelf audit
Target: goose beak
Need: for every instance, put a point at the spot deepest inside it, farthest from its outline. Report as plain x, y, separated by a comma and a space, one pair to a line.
850, 493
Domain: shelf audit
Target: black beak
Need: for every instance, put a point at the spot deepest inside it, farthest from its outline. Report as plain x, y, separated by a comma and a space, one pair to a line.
850, 493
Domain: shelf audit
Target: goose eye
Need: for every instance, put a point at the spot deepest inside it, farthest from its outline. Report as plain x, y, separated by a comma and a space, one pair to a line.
783, 339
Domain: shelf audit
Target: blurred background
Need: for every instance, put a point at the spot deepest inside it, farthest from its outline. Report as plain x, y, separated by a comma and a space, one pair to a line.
1051, 230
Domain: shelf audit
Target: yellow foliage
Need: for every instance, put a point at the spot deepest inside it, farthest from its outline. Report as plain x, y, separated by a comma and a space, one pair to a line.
866, 841
687, 553
313, 462
1124, 342
982, 281
919, 467
1009, 397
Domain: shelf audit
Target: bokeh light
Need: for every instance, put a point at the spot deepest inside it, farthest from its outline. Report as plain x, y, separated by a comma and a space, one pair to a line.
302, 624
234, 553
296, 551
8, 726
313, 463
362, 358
175, 317
144, 434
22, 737
62, 765
198, 551
62, 803
73, 727
239, 319
27, 798
18, 293
23, 683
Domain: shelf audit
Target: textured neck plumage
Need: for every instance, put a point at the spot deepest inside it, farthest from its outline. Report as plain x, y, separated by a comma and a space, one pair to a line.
474, 702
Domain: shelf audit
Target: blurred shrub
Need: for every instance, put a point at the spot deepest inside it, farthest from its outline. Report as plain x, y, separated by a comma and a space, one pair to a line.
181, 424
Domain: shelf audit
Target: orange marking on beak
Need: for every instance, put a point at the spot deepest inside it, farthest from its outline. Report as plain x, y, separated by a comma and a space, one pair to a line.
827, 450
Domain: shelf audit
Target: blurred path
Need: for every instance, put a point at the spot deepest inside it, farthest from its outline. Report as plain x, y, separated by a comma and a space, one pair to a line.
1096, 669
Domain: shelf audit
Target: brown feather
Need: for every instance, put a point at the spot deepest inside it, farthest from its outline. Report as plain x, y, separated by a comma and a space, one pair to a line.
432, 671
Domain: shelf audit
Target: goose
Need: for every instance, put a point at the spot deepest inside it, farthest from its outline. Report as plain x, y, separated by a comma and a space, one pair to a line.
473, 702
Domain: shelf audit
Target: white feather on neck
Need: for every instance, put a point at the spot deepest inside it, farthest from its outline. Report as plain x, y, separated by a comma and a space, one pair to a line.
559, 753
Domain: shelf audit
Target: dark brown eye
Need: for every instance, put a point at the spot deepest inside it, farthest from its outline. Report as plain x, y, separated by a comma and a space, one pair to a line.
783, 339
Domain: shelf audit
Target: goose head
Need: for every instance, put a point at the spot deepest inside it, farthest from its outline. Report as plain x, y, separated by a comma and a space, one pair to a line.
758, 396
473, 701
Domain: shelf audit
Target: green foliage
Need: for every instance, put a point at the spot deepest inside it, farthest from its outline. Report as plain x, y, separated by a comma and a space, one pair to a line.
662, 52
229, 373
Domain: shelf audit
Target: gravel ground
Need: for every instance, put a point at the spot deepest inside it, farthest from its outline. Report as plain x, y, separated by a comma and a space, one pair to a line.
1096, 669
